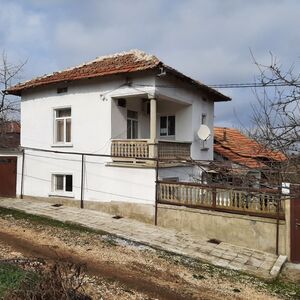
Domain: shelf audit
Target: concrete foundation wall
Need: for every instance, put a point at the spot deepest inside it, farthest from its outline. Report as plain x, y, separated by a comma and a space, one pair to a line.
247, 231
140, 212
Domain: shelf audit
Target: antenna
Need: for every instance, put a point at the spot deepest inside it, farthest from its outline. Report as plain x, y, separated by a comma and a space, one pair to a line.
203, 132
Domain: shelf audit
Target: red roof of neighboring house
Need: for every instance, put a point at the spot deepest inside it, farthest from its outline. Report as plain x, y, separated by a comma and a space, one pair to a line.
9, 141
238, 148
10, 135
10, 127
125, 62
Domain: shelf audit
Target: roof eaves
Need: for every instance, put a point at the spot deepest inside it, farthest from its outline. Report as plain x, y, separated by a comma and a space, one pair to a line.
219, 97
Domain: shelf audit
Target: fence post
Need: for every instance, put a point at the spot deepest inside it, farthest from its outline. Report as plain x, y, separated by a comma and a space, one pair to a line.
82, 181
214, 197
22, 175
156, 191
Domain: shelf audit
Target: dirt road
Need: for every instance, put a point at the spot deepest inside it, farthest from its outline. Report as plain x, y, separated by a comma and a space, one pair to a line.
122, 270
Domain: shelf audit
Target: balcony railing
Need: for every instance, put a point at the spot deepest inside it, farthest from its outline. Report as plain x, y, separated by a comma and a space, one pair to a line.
128, 150
174, 150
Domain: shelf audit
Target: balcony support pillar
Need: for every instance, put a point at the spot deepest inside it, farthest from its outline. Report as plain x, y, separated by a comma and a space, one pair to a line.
153, 129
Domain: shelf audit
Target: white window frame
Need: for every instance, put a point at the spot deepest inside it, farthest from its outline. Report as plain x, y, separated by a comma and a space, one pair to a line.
131, 121
55, 118
61, 193
167, 135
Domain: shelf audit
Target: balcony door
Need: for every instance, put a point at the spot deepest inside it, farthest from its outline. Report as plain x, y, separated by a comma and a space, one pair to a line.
132, 124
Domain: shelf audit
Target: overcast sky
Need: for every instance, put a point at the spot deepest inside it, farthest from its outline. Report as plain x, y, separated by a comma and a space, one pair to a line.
208, 40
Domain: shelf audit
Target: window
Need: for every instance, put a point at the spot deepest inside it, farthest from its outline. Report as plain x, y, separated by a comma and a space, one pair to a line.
62, 126
167, 126
62, 183
132, 124
203, 119
62, 90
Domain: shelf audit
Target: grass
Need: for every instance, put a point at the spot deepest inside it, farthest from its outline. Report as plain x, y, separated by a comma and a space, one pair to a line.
11, 277
201, 270
40, 220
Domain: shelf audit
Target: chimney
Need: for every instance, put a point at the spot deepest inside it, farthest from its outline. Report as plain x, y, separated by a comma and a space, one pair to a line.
224, 135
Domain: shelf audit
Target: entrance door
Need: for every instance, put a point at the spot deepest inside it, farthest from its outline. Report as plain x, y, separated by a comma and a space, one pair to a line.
8, 176
132, 124
295, 229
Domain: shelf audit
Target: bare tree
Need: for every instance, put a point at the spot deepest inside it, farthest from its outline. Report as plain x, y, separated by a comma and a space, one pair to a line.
9, 105
276, 114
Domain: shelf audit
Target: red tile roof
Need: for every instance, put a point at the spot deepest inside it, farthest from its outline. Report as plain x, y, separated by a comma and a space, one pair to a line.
238, 148
10, 127
126, 62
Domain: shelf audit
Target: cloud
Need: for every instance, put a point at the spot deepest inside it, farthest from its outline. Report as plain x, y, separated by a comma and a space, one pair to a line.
208, 40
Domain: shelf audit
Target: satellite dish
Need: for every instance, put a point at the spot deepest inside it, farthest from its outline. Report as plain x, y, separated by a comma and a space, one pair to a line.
203, 132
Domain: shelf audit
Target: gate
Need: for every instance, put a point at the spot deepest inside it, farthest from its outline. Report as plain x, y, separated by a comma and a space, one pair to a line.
295, 228
8, 176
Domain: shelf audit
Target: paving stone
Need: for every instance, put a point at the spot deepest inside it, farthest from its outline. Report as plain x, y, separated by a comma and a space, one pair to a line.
235, 266
222, 263
228, 256
254, 262
217, 253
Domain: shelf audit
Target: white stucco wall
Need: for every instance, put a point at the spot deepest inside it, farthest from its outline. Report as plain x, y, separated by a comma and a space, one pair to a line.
101, 183
96, 119
189, 117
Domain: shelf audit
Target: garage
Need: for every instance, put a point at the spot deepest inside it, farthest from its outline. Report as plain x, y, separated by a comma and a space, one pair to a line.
8, 176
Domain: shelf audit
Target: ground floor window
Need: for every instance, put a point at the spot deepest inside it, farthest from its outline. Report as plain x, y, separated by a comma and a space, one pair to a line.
62, 183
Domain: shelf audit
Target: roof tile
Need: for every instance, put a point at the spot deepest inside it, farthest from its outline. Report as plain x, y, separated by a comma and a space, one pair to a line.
235, 146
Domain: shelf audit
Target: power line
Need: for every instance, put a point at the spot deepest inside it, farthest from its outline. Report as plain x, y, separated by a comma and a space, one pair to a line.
252, 85
230, 85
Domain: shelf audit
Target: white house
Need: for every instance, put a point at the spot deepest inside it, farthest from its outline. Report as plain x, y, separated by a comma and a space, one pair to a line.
128, 105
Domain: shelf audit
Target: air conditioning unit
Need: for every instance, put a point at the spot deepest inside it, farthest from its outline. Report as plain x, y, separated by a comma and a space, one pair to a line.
122, 102
146, 106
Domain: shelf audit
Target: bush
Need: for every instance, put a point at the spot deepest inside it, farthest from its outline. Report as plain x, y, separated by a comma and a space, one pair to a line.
60, 281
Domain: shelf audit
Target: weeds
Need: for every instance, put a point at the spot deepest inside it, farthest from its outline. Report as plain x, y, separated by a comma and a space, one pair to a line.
62, 281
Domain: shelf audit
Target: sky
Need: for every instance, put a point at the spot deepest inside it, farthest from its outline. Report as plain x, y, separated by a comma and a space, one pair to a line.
209, 40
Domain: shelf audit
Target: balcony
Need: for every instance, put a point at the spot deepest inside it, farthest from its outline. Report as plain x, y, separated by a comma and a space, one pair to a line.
138, 151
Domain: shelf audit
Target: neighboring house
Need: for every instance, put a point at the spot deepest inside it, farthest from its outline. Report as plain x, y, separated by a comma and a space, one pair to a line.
10, 154
10, 136
129, 105
244, 156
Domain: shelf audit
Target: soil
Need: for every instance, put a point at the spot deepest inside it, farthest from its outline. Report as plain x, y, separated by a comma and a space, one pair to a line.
118, 269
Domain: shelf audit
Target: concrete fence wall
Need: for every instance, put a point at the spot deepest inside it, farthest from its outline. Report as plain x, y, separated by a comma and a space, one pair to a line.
247, 231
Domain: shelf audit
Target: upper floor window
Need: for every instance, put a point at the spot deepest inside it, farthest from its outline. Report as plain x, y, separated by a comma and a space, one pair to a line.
167, 126
132, 124
63, 122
